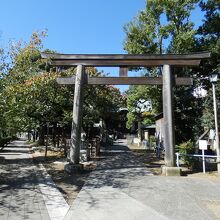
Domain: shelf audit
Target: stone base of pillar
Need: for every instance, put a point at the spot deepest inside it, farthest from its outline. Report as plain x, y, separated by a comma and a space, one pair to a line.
73, 168
171, 171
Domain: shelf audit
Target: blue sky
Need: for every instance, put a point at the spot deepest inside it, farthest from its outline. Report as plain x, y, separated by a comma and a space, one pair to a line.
74, 26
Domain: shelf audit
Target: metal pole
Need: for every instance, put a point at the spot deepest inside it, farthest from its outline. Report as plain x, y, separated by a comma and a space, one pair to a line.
203, 160
169, 135
216, 125
177, 160
77, 116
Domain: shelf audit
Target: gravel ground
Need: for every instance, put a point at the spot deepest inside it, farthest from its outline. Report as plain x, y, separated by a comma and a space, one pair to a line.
69, 185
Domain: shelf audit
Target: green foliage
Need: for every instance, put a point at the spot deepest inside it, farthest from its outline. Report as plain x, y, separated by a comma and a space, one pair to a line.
147, 32
25, 64
147, 93
187, 148
144, 33
209, 40
31, 97
164, 27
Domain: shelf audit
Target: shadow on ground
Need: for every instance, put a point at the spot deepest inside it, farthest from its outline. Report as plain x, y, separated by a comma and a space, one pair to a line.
68, 184
119, 165
19, 192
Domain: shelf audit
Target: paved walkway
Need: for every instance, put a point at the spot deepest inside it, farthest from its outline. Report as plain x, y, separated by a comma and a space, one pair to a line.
27, 191
122, 189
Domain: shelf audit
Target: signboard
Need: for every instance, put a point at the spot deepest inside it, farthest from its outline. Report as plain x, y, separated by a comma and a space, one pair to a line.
203, 144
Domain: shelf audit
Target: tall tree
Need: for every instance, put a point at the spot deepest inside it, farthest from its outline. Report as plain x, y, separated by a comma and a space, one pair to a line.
208, 39
2, 85
33, 97
164, 27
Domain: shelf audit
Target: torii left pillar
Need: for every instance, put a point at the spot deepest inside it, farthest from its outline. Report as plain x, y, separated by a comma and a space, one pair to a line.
77, 117
168, 125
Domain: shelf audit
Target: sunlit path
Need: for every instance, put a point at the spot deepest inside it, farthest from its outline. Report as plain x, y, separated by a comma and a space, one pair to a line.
122, 188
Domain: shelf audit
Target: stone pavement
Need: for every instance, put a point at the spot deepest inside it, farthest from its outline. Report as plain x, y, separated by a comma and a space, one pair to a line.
121, 188
27, 191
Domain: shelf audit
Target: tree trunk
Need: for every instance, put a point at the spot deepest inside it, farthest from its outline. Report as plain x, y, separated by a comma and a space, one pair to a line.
64, 142
29, 136
34, 135
41, 135
54, 134
139, 130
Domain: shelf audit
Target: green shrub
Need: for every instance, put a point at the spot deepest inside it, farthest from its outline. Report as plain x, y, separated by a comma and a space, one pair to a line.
187, 148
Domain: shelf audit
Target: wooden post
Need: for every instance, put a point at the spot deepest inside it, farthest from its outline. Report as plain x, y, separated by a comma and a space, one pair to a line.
169, 136
77, 116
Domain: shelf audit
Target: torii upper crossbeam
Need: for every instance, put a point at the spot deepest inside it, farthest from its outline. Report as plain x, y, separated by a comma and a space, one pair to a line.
127, 60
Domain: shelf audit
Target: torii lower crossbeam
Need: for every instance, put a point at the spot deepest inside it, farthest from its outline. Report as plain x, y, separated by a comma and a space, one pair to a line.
124, 81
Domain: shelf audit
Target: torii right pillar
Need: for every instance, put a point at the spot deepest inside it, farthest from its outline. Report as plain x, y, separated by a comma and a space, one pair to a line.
168, 125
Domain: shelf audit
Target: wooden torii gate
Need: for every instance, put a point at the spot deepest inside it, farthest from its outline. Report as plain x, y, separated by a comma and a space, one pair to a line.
124, 62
